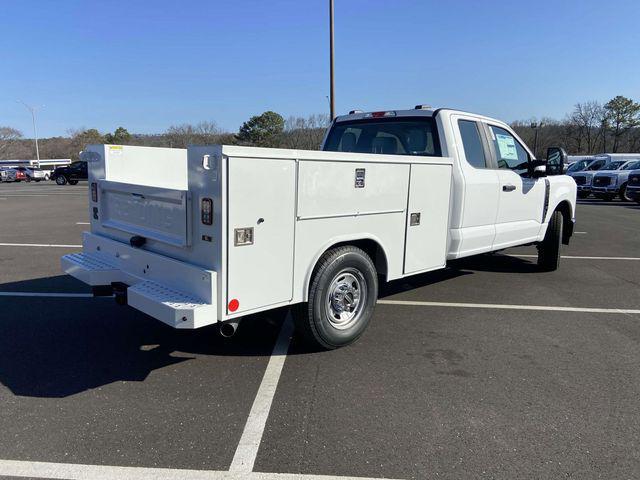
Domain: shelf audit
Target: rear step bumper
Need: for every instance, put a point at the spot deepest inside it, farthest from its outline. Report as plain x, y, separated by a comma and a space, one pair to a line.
177, 293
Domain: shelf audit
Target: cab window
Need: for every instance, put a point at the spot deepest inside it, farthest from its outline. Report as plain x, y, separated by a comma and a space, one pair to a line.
509, 153
472, 143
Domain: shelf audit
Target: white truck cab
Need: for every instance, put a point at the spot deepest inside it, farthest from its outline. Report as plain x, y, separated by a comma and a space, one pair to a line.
210, 234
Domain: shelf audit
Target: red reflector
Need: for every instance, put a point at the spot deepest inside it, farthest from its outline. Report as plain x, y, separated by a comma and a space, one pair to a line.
233, 305
377, 114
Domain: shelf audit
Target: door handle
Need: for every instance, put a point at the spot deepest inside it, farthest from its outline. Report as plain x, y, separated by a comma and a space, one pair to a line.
508, 188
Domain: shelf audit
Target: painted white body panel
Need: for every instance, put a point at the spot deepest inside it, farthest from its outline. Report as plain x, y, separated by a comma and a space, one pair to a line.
299, 204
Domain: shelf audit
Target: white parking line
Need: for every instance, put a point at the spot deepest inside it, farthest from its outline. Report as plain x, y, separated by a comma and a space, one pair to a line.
576, 257
247, 449
38, 245
17, 468
509, 307
83, 223
47, 295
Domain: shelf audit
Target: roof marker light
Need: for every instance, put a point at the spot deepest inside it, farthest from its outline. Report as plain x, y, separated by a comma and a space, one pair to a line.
422, 107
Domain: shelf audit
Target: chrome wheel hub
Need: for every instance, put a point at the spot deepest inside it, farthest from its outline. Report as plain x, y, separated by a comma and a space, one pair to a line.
346, 298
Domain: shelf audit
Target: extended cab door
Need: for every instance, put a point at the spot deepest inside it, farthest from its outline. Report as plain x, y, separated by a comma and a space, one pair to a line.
475, 231
522, 197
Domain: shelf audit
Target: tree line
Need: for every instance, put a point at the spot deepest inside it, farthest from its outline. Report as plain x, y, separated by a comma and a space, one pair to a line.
269, 129
592, 127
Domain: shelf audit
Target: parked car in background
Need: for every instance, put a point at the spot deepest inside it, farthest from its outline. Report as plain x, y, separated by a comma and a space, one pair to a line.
633, 186
31, 174
582, 173
70, 174
4, 173
12, 175
611, 182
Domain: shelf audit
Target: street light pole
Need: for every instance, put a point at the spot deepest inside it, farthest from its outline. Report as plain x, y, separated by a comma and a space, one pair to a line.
32, 109
332, 99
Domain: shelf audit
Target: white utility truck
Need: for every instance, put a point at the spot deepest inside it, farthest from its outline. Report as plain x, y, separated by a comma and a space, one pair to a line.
212, 233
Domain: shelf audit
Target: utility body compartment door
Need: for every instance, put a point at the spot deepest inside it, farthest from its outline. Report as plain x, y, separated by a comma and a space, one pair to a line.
427, 218
261, 206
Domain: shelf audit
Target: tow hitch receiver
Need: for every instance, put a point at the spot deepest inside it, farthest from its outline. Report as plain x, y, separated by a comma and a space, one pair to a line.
120, 292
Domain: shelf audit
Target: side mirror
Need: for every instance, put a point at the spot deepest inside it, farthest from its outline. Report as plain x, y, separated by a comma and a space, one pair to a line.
556, 160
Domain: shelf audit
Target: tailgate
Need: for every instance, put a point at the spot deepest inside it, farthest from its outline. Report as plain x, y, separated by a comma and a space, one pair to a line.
155, 213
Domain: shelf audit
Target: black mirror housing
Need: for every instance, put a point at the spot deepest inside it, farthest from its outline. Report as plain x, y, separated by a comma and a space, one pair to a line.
556, 160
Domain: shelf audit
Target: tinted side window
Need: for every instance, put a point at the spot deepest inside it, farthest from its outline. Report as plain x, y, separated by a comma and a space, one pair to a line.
509, 153
472, 143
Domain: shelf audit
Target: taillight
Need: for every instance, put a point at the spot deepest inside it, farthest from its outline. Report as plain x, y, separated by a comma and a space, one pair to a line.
94, 192
206, 211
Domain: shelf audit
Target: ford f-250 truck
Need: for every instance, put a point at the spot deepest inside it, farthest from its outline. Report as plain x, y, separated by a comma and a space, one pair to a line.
212, 233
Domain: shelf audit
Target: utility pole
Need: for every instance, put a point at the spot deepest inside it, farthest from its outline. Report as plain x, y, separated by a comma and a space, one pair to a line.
332, 98
32, 109
535, 126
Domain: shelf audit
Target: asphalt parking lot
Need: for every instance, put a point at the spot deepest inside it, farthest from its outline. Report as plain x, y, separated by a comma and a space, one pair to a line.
488, 369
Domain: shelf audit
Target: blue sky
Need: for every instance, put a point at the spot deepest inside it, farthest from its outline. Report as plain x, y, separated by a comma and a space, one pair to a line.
147, 65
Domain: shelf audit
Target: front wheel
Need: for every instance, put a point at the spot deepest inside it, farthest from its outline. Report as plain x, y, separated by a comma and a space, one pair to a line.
549, 248
342, 297
73, 182
61, 180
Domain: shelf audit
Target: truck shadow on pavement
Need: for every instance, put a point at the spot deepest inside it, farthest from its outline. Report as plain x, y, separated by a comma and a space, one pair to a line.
457, 268
57, 347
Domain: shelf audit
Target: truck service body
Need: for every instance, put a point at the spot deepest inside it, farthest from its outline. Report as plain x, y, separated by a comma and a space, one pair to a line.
212, 233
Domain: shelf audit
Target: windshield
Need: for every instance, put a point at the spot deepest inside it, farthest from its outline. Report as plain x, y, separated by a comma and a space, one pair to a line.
596, 165
393, 136
632, 165
613, 165
578, 166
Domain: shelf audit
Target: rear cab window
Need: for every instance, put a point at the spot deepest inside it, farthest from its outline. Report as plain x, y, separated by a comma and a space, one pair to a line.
472, 143
391, 136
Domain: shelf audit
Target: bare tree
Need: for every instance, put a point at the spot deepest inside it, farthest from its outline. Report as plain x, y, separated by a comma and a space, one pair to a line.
203, 133
305, 133
586, 122
8, 135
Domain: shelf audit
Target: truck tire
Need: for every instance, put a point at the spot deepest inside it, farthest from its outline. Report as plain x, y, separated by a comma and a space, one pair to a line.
549, 248
342, 297
61, 180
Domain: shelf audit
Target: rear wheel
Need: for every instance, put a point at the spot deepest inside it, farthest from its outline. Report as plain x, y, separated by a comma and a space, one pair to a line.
342, 297
549, 248
73, 182
61, 180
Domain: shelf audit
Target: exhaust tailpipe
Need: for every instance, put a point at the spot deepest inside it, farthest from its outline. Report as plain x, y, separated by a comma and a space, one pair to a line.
228, 329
